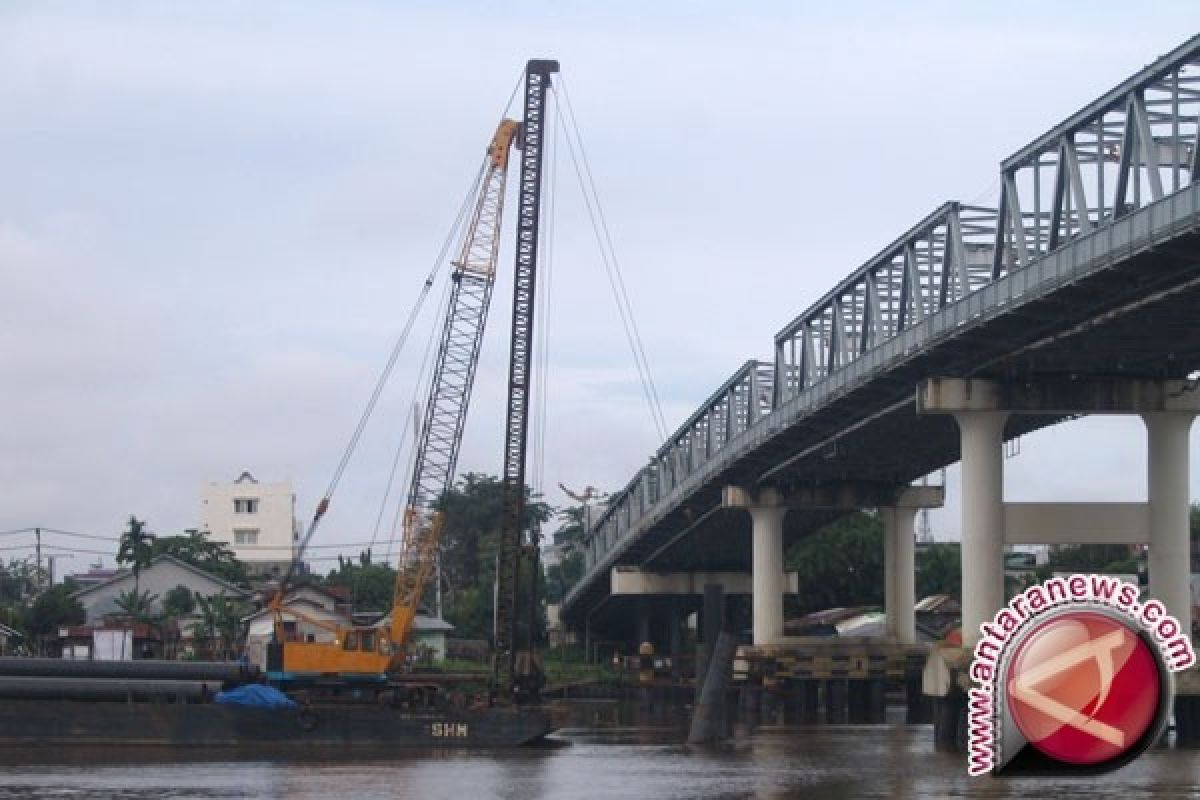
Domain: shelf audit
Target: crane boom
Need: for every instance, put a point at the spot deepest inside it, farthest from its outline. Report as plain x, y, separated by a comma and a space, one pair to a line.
520, 376
453, 376
368, 652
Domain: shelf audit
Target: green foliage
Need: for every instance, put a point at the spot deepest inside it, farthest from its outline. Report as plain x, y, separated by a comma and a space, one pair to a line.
562, 576
197, 549
1111, 558
19, 580
473, 511
139, 605
371, 586
53, 608
939, 570
572, 529
136, 548
841, 565
220, 623
178, 602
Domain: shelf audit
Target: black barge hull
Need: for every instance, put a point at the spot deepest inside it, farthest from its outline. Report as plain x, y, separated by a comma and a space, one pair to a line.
314, 729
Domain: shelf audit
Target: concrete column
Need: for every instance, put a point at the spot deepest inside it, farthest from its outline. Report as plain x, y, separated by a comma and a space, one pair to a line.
767, 543
899, 569
643, 622
1169, 561
888, 517
982, 437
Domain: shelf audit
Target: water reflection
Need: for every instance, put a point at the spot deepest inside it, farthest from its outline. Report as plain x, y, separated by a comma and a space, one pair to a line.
769, 763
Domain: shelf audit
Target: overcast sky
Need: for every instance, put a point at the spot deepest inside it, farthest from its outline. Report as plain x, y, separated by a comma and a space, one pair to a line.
215, 216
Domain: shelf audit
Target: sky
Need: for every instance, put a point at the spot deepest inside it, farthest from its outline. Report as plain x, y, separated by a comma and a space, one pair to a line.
215, 217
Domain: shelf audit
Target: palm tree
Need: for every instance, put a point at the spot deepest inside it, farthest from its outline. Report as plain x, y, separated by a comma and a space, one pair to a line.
220, 620
137, 605
136, 548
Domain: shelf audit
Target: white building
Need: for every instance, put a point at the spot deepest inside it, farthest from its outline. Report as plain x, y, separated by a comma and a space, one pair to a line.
257, 520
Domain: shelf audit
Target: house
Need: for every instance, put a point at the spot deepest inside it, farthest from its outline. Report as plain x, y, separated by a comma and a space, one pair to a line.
113, 642
428, 634
97, 573
158, 577
256, 520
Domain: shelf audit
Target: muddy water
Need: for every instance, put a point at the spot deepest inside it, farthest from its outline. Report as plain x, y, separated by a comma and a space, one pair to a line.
768, 762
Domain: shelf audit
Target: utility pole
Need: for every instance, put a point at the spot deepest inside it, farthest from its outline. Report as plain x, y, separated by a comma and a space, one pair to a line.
51, 558
38, 533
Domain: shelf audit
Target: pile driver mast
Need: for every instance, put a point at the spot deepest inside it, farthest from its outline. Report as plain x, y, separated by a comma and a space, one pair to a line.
512, 680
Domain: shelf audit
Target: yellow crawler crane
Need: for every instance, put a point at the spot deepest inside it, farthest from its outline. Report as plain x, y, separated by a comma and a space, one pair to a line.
370, 654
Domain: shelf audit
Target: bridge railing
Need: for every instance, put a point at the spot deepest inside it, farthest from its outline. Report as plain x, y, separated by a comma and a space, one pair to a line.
941, 259
737, 405
1133, 146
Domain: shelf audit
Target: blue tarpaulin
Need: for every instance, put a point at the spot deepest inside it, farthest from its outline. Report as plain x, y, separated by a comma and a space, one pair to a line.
256, 695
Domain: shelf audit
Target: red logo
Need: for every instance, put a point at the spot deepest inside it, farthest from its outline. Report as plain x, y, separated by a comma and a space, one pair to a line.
1083, 688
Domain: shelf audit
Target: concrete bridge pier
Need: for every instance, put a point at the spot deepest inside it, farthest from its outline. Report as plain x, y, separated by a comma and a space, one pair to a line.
767, 570
981, 408
1169, 558
982, 443
899, 565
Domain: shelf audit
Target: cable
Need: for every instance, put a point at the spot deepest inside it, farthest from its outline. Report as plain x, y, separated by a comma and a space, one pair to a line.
418, 384
83, 535
323, 505
612, 267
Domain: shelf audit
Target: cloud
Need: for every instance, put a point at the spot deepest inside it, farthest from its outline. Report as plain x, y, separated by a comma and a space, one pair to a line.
216, 217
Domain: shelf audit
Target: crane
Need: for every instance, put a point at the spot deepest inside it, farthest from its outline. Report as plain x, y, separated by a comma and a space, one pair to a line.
371, 653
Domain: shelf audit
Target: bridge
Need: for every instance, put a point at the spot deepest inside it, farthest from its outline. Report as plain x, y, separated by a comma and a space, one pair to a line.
1077, 295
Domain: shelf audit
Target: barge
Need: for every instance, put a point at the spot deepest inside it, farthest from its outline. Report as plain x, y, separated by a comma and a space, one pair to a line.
54, 703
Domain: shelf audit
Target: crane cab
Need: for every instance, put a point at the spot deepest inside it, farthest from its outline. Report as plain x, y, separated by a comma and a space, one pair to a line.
356, 654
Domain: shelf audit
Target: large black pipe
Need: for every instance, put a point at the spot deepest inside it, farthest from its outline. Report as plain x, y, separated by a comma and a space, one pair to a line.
214, 671
23, 686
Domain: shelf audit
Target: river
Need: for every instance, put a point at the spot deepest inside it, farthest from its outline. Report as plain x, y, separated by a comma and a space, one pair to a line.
892, 761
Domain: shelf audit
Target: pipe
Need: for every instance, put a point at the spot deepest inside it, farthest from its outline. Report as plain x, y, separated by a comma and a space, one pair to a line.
41, 687
212, 671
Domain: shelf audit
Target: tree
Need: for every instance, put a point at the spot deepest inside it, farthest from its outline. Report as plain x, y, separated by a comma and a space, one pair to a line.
563, 575
136, 548
573, 527
139, 605
178, 602
1110, 558
939, 570
196, 548
473, 511
220, 623
53, 609
841, 565
19, 580
566, 573
371, 586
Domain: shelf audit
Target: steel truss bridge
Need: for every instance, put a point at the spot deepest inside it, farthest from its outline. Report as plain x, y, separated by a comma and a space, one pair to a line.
1090, 266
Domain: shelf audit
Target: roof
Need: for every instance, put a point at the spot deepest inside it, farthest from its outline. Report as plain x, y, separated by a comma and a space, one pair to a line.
123, 574
939, 603
421, 622
293, 602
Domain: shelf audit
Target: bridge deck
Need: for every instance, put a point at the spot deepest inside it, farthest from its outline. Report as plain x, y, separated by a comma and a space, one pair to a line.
1100, 277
